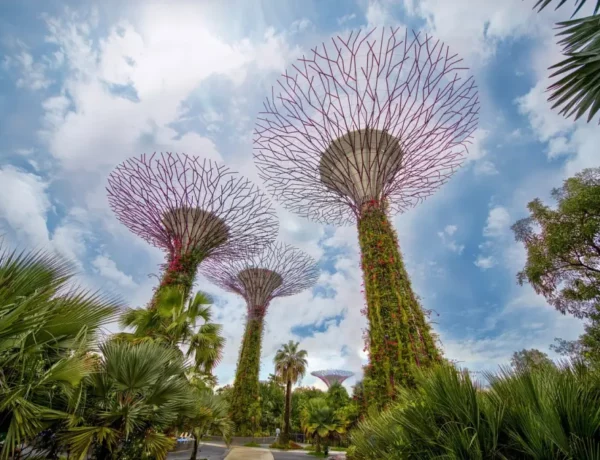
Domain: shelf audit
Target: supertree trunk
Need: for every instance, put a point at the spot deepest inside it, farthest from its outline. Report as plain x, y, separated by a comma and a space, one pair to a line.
179, 271
399, 339
245, 405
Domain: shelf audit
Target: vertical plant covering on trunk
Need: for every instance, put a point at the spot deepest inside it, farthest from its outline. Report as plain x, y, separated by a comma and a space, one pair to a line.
399, 339
245, 404
180, 271
373, 116
279, 271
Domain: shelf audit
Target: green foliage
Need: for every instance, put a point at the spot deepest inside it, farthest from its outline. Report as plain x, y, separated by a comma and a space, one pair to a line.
245, 410
337, 396
300, 397
173, 322
541, 4
530, 359
137, 392
46, 331
252, 444
578, 89
180, 272
587, 347
320, 422
544, 412
272, 402
399, 338
290, 366
563, 245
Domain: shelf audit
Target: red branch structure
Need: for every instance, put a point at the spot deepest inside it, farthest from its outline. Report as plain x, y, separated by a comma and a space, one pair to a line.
331, 376
194, 209
279, 271
367, 126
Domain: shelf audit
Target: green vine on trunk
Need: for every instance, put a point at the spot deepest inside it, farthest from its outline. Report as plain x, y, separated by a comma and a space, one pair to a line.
180, 270
245, 408
399, 339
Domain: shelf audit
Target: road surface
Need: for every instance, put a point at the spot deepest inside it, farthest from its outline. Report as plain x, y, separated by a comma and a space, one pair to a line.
213, 452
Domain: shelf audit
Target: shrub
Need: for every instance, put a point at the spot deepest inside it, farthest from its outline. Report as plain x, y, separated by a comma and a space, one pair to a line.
251, 444
550, 412
293, 445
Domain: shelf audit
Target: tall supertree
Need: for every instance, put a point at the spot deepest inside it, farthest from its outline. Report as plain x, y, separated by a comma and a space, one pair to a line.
366, 127
193, 209
279, 271
330, 376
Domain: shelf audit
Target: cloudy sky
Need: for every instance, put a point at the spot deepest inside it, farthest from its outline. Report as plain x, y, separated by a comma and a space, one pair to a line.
85, 85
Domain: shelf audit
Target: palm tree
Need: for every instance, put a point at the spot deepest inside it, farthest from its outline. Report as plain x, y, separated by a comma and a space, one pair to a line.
47, 328
578, 89
290, 366
174, 323
209, 414
320, 421
138, 392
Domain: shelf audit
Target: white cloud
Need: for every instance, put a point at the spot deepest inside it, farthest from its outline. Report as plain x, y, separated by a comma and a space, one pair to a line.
24, 205
485, 168
449, 243
498, 222
485, 263
346, 18
107, 268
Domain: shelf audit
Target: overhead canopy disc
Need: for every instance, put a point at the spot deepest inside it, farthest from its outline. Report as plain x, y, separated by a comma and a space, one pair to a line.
360, 163
259, 285
196, 228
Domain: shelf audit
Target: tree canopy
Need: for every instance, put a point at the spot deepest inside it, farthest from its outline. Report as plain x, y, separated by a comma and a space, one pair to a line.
563, 245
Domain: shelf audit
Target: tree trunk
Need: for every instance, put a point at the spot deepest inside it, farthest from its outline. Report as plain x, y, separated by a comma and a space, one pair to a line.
399, 336
194, 449
285, 438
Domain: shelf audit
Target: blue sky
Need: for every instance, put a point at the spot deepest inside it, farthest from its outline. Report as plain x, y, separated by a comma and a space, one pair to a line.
85, 85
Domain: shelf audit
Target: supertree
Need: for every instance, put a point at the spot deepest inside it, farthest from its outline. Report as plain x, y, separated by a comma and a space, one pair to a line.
281, 270
363, 128
193, 209
329, 376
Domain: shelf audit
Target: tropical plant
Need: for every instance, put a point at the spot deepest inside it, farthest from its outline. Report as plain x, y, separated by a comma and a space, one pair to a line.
532, 413
530, 359
210, 414
578, 89
47, 327
300, 397
290, 366
337, 396
272, 401
172, 321
563, 245
320, 422
138, 392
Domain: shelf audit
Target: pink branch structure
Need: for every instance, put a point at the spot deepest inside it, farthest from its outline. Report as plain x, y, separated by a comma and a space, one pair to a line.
281, 270
368, 117
194, 209
366, 126
330, 376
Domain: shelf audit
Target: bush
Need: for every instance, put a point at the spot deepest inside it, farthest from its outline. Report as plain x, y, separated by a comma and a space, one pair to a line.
293, 445
526, 414
251, 444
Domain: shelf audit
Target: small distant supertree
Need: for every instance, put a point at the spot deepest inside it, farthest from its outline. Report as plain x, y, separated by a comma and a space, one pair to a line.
279, 271
367, 126
329, 376
193, 209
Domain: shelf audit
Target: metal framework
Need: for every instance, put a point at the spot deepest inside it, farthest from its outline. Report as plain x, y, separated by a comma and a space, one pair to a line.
281, 270
330, 376
179, 202
371, 117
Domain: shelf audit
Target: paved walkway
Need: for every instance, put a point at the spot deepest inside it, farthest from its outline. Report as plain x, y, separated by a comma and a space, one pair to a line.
249, 453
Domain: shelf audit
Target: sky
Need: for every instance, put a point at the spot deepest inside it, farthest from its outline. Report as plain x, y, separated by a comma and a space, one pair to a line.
86, 85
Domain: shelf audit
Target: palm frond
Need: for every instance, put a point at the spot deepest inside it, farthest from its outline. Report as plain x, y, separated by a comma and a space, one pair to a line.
541, 4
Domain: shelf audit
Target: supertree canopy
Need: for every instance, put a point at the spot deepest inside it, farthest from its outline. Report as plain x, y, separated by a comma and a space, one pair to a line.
330, 376
366, 126
279, 271
194, 209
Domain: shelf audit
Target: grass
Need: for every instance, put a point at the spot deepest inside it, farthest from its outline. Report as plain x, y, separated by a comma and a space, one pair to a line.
338, 449
251, 444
